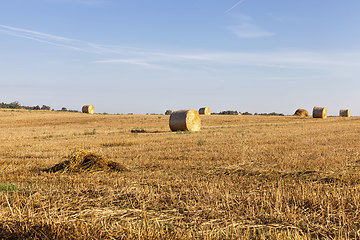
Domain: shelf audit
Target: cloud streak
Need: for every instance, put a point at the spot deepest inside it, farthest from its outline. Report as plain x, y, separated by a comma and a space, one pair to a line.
83, 2
134, 61
190, 61
247, 29
34, 33
237, 4
55, 40
217, 61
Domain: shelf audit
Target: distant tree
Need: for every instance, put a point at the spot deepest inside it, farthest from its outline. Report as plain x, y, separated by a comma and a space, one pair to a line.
17, 105
228, 112
270, 114
64, 109
44, 107
14, 105
246, 113
168, 112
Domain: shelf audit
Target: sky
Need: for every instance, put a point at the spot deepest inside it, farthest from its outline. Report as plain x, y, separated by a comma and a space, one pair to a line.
141, 56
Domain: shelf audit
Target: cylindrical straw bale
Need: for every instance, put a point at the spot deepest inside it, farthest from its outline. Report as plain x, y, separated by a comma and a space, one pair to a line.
205, 111
319, 112
88, 109
185, 120
301, 113
344, 113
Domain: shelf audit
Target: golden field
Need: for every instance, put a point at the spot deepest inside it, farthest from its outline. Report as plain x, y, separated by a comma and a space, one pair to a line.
240, 177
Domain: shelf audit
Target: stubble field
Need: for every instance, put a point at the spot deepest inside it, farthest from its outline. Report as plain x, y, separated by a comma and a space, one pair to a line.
247, 177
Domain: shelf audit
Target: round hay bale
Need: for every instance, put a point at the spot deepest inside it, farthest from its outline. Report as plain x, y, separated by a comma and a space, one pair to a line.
88, 109
301, 113
205, 111
185, 120
319, 112
344, 113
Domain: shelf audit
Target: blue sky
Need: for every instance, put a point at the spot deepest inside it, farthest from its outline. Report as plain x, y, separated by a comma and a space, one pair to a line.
144, 56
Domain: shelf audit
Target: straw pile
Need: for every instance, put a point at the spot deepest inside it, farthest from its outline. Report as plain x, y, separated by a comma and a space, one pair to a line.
301, 113
88, 109
185, 120
319, 112
84, 161
344, 113
205, 111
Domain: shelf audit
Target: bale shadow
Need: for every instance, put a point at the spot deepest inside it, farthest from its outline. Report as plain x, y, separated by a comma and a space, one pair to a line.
146, 131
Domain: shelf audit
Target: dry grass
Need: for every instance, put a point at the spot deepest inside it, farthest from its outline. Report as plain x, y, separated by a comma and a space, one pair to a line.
252, 177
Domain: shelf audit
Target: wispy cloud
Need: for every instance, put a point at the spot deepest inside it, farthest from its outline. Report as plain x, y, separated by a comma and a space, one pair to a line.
289, 59
109, 52
134, 61
188, 60
26, 32
55, 40
247, 29
237, 4
83, 2
91, 2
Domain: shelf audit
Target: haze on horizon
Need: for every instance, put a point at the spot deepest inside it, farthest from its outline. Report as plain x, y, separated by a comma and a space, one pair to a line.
148, 56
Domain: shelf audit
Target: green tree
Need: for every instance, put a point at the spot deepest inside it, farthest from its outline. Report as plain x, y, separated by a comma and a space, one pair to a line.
168, 112
44, 107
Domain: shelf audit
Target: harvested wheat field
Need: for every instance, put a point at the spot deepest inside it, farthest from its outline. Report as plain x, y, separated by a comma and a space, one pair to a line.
247, 177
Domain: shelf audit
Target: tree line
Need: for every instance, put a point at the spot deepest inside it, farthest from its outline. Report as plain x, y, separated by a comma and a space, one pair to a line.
17, 105
231, 112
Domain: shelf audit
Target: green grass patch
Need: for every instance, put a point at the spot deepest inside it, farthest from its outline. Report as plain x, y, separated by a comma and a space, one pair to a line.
8, 187
93, 132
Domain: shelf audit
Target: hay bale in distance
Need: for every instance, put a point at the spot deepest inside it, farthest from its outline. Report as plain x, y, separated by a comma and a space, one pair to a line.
84, 161
185, 120
88, 109
301, 113
319, 112
344, 113
205, 111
